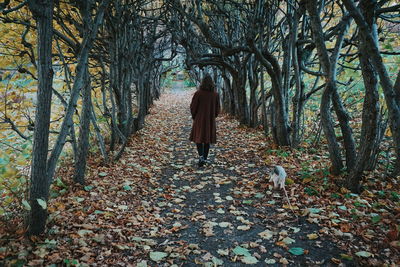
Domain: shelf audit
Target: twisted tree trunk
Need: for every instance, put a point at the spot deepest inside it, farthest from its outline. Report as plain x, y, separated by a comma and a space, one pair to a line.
389, 90
370, 115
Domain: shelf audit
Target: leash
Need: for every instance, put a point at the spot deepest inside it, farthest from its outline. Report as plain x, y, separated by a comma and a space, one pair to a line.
290, 205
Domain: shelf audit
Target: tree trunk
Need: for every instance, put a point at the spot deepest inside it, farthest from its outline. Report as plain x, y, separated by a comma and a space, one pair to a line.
347, 132
78, 84
84, 129
298, 98
329, 67
329, 131
264, 103
253, 82
376, 60
228, 103
42, 11
370, 116
241, 107
280, 122
396, 170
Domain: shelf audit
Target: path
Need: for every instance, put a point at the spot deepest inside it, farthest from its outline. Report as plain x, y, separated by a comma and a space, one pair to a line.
225, 213
156, 208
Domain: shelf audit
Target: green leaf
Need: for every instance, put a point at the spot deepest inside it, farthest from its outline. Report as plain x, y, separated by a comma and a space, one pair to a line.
248, 201
311, 191
314, 210
297, 251
60, 183
143, 263
103, 174
346, 257
42, 203
241, 251
88, 187
270, 261
364, 254
395, 196
127, 187
26, 205
249, 260
79, 199
217, 261
375, 219
83, 232
288, 240
157, 255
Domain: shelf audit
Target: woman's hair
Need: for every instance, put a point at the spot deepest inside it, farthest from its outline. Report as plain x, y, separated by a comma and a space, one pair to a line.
207, 84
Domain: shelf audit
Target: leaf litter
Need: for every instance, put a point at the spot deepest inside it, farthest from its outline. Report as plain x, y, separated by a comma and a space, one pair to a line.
155, 207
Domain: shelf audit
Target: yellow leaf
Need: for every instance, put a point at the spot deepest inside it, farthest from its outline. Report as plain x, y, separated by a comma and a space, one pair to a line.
289, 181
286, 206
388, 132
307, 180
312, 236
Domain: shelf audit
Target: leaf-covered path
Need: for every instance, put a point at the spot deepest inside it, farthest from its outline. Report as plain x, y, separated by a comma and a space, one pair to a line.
225, 213
155, 207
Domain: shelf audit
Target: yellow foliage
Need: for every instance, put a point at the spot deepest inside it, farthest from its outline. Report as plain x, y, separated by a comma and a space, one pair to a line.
388, 132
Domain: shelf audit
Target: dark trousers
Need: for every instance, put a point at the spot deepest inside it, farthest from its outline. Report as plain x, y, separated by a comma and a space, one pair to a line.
203, 149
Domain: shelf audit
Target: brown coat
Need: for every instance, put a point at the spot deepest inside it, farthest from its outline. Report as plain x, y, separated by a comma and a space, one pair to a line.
204, 108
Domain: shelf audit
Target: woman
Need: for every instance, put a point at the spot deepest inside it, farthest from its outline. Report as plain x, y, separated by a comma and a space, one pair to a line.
204, 108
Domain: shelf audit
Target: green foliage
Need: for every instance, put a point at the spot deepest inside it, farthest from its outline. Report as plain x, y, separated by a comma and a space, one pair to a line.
167, 81
13, 183
311, 191
189, 83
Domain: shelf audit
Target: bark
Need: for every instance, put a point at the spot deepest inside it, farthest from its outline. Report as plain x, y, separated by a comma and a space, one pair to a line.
241, 107
264, 104
329, 130
83, 142
376, 60
370, 116
329, 68
253, 82
326, 117
298, 99
280, 123
100, 138
142, 104
396, 170
227, 100
42, 11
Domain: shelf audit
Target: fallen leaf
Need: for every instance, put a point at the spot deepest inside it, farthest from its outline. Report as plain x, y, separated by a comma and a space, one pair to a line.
249, 260
157, 255
288, 240
270, 261
267, 234
296, 251
312, 236
241, 251
243, 227
364, 254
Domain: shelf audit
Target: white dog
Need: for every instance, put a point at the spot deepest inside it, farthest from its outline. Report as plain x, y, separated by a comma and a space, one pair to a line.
278, 176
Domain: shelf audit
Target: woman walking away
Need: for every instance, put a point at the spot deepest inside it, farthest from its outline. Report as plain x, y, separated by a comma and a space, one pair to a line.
204, 108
